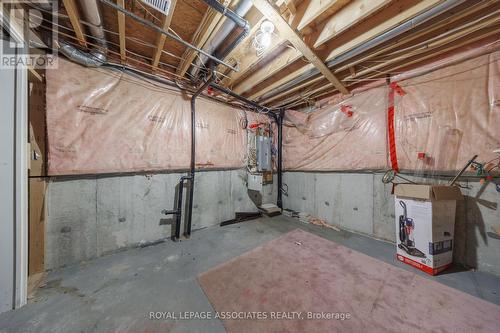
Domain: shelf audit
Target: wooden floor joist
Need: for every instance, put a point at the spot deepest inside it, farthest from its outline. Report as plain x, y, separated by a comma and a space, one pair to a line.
74, 18
286, 57
351, 14
121, 31
290, 34
452, 19
161, 37
309, 34
316, 11
363, 38
411, 12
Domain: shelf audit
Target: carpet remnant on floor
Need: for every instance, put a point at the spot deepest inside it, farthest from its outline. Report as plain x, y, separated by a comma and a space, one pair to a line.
301, 282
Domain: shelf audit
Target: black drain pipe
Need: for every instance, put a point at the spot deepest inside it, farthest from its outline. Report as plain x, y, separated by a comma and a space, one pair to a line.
280, 158
178, 211
190, 177
242, 23
187, 229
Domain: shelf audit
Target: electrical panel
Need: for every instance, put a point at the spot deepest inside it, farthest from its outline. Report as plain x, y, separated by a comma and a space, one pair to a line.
263, 153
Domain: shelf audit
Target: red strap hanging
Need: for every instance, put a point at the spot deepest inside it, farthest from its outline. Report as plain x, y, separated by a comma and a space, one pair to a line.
393, 88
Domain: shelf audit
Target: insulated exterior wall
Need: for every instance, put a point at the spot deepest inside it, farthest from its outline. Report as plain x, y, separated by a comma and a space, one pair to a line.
104, 121
333, 138
449, 115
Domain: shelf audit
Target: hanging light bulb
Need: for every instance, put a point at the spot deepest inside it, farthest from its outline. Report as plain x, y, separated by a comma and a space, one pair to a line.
263, 37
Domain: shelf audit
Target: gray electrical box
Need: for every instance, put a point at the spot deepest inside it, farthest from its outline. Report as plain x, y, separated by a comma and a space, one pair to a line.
263, 153
254, 182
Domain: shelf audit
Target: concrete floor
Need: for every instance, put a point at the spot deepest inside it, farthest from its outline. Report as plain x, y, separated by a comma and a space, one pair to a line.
116, 293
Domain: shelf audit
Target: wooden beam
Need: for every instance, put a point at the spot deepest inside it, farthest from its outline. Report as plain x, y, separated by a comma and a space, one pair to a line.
288, 56
348, 16
291, 6
256, 95
290, 34
249, 64
294, 89
434, 44
419, 58
249, 60
208, 24
161, 37
441, 24
244, 48
316, 11
74, 18
400, 11
121, 31
392, 22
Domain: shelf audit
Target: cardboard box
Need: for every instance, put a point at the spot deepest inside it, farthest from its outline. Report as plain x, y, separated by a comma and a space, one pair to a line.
425, 223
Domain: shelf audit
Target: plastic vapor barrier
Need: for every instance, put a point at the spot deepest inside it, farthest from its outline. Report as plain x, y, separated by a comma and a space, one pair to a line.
349, 134
449, 115
441, 119
104, 121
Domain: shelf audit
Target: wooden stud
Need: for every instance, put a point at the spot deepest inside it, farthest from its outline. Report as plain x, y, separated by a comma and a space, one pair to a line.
291, 6
36, 247
74, 18
121, 30
161, 37
290, 34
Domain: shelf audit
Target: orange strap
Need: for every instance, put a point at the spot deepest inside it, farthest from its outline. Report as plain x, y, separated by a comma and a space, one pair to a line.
393, 88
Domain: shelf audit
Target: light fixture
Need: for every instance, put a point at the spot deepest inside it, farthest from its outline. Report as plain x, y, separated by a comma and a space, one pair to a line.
267, 27
263, 37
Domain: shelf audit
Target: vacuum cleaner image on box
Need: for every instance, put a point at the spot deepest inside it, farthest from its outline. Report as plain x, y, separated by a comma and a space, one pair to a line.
406, 228
425, 221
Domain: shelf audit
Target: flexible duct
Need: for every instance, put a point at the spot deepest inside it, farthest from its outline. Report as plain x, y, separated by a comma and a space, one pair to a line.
96, 57
88, 59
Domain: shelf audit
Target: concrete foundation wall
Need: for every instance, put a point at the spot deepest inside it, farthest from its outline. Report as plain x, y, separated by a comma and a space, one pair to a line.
360, 202
91, 216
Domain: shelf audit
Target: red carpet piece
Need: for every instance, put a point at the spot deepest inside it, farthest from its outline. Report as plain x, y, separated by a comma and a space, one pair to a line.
301, 272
